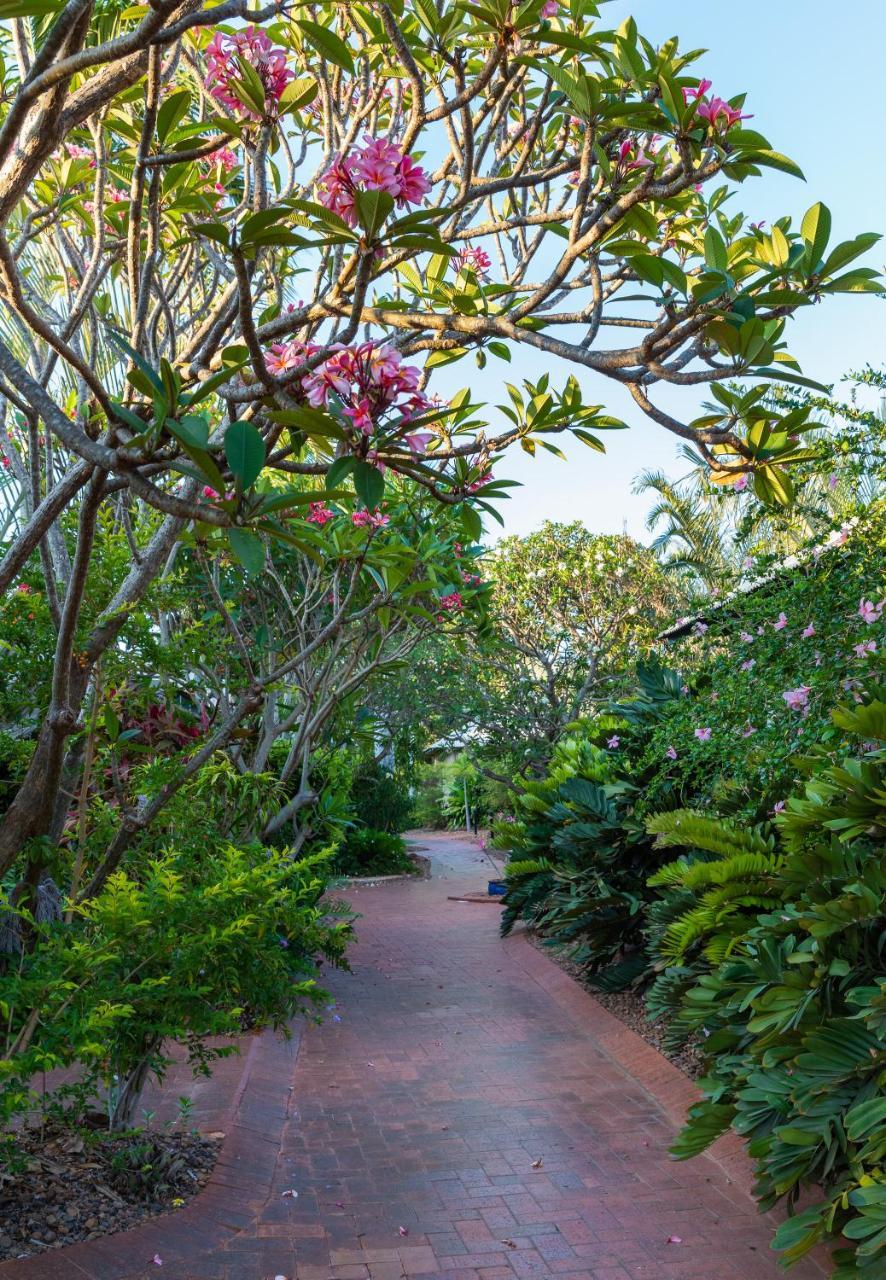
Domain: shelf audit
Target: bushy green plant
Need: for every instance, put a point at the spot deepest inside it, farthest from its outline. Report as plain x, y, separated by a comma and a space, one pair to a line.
176, 955
795, 1016
762, 674
380, 798
580, 859
367, 852
711, 897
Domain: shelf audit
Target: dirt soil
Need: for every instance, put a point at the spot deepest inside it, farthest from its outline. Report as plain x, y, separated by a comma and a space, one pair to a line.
77, 1187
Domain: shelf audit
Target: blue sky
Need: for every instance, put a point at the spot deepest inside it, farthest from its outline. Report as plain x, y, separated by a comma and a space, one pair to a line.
813, 73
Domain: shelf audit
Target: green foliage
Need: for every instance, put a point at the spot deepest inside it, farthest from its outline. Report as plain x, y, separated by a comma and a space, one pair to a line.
579, 858
380, 798
180, 953
147, 1168
741, 661
795, 1015
366, 852
711, 898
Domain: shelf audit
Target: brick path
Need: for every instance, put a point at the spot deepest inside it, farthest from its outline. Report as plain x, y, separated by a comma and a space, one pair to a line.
413, 1129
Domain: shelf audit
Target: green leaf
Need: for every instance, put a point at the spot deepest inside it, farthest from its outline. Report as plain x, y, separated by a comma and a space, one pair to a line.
844, 253
471, 523
327, 43
816, 231
715, 253
369, 484
245, 452
373, 209
775, 160
298, 93
192, 429
340, 468
248, 549
171, 112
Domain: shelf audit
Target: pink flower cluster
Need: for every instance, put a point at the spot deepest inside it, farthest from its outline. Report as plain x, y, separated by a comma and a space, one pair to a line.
319, 514
798, 699
870, 612
473, 258
452, 603
717, 111
369, 380
254, 47
632, 155
369, 519
378, 165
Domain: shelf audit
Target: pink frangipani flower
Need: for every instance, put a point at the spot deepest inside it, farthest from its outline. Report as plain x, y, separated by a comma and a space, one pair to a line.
254, 47
319, 514
379, 165
809, 631
780, 623
870, 612
613, 742
703, 735
474, 259
671, 753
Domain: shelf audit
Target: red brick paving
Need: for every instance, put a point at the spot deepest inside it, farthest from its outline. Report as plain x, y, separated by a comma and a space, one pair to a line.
410, 1129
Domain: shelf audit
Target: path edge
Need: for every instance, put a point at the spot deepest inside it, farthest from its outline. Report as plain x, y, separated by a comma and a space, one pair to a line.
669, 1088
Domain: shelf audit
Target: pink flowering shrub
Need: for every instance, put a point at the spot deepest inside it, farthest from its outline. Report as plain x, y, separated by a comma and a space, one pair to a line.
765, 675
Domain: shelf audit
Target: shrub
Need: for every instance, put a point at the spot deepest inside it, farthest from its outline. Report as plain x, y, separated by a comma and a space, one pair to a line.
795, 1016
380, 799
176, 955
580, 859
373, 853
734, 735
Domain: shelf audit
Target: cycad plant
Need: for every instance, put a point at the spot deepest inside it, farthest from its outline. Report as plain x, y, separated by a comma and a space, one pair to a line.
711, 897
796, 1013
580, 861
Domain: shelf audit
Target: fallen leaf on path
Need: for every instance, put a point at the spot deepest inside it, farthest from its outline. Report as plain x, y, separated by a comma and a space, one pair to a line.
157, 1260
293, 1195
674, 1240
537, 1164
511, 1244
403, 1231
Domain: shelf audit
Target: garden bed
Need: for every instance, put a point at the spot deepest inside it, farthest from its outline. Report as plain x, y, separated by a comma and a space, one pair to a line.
422, 872
79, 1188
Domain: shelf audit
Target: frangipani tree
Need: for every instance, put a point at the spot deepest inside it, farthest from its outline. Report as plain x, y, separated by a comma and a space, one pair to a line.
237, 245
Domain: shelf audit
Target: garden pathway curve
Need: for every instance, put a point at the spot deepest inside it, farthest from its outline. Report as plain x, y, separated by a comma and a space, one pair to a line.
473, 1115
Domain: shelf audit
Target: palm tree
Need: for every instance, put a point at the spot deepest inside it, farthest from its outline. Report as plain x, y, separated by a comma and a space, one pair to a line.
695, 541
